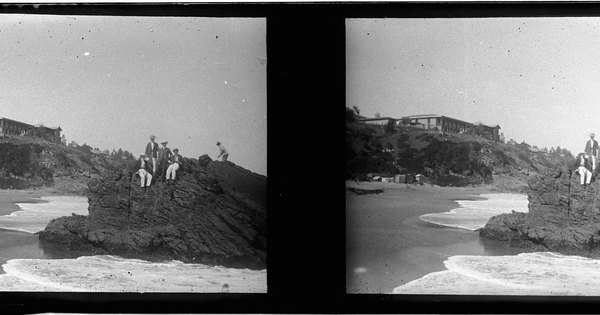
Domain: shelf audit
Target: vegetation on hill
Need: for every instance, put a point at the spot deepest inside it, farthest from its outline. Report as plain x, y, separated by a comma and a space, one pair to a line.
451, 159
29, 162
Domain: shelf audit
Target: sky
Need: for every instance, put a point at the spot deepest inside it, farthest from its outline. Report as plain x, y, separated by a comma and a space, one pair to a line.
538, 78
111, 82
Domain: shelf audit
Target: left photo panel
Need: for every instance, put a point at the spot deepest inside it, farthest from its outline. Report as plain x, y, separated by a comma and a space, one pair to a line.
133, 154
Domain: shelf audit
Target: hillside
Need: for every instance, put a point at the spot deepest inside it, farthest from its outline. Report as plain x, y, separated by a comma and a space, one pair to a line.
452, 159
29, 162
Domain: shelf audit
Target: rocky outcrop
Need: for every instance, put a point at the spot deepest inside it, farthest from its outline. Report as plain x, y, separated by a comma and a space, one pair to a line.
563, 216
208, 216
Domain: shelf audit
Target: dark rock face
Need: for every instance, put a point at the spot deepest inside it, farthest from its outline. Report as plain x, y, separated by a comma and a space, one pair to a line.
203, 160
196, 220
563, 216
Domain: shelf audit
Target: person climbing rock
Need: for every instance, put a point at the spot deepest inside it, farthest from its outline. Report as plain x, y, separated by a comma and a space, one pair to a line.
583, 166
152, 153
175, 162
143, 166
164, 154
591, 148
223, 152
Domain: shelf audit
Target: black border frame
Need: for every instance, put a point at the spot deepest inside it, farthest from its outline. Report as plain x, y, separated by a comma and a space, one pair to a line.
306, 204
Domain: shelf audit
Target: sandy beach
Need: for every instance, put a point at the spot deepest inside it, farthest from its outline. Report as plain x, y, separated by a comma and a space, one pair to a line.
387, 245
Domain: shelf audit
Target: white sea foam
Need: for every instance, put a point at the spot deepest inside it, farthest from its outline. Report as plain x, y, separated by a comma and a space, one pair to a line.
34, 217
115, 274
542, 273
474, 214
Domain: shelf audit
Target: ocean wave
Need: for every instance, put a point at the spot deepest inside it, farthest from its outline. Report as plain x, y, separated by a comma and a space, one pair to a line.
542, 273
474, 214
108, 273
34, 217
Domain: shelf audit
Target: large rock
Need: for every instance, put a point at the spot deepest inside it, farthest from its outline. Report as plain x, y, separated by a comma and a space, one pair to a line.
563, 216
208, 216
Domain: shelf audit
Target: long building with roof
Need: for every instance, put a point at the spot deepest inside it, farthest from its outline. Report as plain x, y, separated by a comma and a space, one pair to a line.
10, 127
449, 124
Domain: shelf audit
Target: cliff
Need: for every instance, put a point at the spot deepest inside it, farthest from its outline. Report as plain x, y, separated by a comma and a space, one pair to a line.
214, 214
449, 159
30, 162
563, 216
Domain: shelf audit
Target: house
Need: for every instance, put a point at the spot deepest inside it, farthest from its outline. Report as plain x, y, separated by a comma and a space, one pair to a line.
378, 121
98, 152
12, 127
449, 124
441, 123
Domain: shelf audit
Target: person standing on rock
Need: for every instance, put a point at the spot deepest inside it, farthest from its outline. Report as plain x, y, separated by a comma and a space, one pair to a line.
143, 165
591, 148
164, 154
583, 164
175, 162
152, 153
223, 152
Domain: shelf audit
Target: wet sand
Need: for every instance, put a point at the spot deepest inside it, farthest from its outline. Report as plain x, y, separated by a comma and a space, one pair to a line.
387, 245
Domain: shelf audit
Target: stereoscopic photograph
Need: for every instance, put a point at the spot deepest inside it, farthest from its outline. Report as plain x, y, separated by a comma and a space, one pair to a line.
133, 154
471, 157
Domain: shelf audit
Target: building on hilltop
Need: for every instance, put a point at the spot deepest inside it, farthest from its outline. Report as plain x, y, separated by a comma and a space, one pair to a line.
378, 121
448, 124
12, 127
440, 123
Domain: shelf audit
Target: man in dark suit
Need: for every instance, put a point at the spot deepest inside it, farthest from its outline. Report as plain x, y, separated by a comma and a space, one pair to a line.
583, 166
591, 148
164, 155
143, 170
152, 153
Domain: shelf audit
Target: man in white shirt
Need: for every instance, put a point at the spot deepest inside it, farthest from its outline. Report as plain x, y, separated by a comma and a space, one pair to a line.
223, 151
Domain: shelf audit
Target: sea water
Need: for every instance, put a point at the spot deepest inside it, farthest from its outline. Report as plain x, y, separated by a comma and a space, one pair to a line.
106, 273
34, 217
474, 214
541, 273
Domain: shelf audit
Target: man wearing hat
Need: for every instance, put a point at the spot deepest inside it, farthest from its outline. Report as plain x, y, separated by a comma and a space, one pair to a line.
164, 154
152, 153
175, 162
591, 148
223, 151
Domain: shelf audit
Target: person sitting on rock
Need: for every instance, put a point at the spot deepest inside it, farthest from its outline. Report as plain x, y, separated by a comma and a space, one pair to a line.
591, 148
223, 152
583, 166
164, 154
175, 162
144, 169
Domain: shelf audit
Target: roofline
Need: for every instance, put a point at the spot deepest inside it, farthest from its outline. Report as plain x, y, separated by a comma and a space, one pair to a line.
442, 116
16, 121
30, 125
379, 118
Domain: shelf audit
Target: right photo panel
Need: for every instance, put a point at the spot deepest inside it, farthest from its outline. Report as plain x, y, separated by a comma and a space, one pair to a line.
471, 157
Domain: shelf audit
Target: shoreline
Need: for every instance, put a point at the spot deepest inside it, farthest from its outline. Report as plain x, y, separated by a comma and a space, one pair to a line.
388, 245
17, 244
